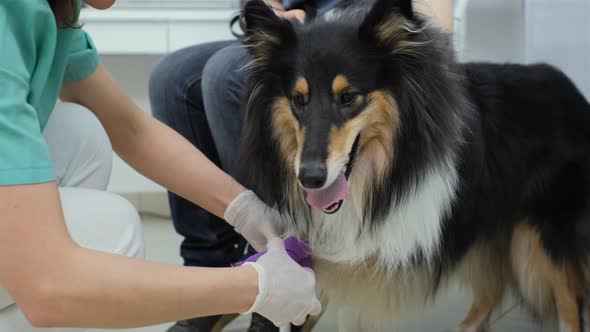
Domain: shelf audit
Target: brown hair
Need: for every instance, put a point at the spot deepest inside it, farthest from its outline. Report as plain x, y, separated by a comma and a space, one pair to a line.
65, 12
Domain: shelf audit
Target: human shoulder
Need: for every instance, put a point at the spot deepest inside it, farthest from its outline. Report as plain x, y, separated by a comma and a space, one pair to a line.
28, 26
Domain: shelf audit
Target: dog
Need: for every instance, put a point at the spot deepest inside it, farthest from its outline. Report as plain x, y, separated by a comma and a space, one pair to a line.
406, 170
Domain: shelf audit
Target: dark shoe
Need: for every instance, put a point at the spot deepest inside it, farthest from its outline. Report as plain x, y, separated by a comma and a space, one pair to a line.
202, 324
261, 324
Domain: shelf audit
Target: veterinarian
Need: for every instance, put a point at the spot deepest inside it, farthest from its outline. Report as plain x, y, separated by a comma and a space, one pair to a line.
197, 92
63, 239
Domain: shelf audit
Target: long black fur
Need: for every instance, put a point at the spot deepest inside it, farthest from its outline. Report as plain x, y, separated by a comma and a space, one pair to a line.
520, 135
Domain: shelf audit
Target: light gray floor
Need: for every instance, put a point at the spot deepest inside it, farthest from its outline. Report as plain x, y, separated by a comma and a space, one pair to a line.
162, 246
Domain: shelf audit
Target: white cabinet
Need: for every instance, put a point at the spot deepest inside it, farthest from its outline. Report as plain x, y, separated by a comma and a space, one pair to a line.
123, 30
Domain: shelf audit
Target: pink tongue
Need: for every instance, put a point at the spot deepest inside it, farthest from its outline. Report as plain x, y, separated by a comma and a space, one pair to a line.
324, 198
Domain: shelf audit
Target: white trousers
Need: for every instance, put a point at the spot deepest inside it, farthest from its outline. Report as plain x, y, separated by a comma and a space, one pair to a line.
82, 157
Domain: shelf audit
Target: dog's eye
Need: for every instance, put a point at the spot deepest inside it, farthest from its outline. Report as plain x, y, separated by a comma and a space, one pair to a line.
348, 98
298, 101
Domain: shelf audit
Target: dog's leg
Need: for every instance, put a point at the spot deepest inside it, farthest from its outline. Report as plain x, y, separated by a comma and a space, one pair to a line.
568, 309
309, 324
486, 271
547, 285
479, 314
312, 321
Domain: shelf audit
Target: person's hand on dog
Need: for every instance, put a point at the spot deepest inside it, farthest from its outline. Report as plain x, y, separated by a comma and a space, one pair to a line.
280, 11
293, 14
286, 291
252, 218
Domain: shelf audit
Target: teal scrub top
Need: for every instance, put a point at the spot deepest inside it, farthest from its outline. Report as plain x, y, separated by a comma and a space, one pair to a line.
36, 58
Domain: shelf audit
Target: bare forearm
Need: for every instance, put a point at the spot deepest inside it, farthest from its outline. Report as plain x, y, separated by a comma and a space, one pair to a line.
166, 157
109, 291
152, 148
57, 283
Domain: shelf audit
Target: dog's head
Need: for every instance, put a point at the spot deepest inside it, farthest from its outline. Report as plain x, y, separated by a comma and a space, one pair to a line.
324, 108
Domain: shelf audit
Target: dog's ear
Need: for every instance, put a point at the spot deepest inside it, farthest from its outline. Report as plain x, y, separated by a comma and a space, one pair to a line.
388, 23
383, 10
259, 16
265, 31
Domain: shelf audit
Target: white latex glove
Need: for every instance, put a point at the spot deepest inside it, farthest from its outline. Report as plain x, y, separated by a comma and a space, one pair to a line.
252, 218
286, 290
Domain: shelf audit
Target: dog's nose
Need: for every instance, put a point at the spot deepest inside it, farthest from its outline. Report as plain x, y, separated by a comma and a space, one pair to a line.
312, 175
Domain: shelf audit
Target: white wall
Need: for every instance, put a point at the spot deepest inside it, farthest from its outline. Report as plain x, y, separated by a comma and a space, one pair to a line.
527, 31
558, 32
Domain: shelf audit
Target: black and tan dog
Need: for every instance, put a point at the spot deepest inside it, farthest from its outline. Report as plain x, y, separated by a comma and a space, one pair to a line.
406, 170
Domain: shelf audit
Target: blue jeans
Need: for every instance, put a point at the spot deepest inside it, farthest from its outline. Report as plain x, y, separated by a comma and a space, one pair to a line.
197, 91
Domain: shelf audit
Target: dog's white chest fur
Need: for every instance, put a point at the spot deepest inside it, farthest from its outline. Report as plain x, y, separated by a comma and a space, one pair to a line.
365, 272
413, 227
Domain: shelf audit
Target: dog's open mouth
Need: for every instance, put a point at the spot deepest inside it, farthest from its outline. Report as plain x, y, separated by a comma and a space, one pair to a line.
330, 199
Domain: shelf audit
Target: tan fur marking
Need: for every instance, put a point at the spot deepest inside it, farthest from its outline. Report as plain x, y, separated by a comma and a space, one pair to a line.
339, 84
301, 86
569, 292
384, 122
548, 286
377, 125
268, 38
381, 121
484, 268
478, 315
567, 306
286, 129
341, 140
262, 44
394, 33
290, 135
310, 323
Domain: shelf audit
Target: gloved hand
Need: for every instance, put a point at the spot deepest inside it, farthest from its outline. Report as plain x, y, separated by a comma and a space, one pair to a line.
286, 290
252, 218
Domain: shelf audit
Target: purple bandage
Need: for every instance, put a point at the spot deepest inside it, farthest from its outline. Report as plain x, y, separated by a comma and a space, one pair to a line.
296, 249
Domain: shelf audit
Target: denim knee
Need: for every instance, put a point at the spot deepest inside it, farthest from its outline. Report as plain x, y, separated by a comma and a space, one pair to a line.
224, 74
163, 85
175, 74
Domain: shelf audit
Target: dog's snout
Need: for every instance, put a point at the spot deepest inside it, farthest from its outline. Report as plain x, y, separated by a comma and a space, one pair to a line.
312, 175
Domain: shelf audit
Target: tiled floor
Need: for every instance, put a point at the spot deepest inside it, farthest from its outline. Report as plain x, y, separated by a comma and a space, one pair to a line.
162, 246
